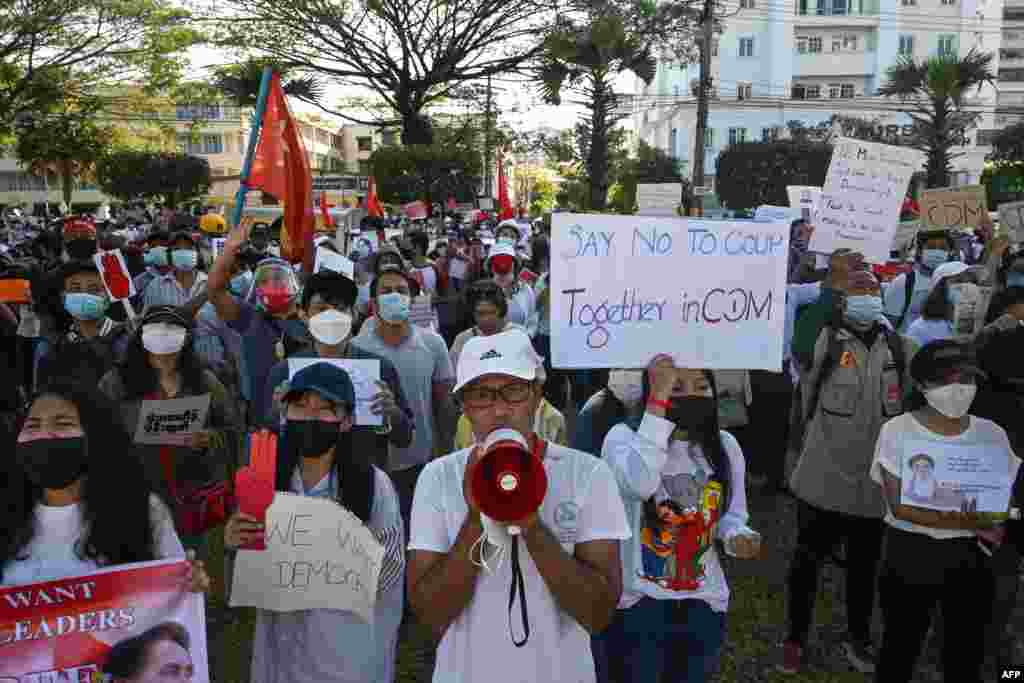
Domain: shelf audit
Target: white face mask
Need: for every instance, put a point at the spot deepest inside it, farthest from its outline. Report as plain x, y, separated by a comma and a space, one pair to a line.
626, 385
952, 400
163, 338
331, 327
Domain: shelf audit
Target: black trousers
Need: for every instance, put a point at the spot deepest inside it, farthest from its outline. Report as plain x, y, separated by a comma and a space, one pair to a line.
919, 572
819, 532
768, 432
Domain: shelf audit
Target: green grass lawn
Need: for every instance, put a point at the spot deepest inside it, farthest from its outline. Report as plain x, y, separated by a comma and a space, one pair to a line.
755, 622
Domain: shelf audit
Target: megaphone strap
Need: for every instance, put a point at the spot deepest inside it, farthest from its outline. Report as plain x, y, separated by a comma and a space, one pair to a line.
518, 587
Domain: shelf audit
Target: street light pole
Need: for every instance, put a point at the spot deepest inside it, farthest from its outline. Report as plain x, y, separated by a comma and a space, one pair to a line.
703, 91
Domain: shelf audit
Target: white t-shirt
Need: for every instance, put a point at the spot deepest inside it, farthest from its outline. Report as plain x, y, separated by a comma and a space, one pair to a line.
582, 504
51, 555
900, 432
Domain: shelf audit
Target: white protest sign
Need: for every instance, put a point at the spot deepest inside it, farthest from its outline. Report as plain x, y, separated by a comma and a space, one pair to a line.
944, 476
485, 203
318, 556
364, 373
970, 309
625, 288
333, 261
1011, 217
862, 197
806, 198
171, 422
116, 276
767, 213
658, 199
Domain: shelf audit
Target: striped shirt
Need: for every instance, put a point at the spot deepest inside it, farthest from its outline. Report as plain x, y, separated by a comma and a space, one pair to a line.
164, 290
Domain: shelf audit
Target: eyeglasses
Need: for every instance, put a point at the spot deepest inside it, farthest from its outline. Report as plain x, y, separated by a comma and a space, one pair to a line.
485, 397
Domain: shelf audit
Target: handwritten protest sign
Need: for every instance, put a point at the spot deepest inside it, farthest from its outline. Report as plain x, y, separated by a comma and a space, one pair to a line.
624, 288
658, 199
333, 261
115, 274
767, 213
319, 556
970, 309
806, 198
364, 373
944, 476
68, 630
171, 422
862, 196
1011, 219
947, 206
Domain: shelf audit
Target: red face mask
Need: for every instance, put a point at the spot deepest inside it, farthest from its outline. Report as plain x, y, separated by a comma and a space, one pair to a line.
275, 298
502, 264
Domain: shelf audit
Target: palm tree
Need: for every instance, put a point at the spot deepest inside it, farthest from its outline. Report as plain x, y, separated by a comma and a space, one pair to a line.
241, 82
586, 56
933, 91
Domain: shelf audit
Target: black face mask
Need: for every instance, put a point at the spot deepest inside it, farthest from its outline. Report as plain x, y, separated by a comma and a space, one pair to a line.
53, 463
310, 438
81, 250
691, 412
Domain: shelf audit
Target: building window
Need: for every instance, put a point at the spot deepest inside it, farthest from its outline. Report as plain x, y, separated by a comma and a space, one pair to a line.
673, 141
744, 91
737, 135
908, 3
709, 138
907, 46
746, 47
767, 134
365, 144
833, 91
188, 145
746, 4
948, 2
814, 44
806, 92
212, 112
846, 91
714, 48
213, 144
189, 112
837, 44
850, 42
947, 45
675, 91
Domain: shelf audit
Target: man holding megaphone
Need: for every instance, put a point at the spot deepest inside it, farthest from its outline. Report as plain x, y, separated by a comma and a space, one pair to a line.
515, 541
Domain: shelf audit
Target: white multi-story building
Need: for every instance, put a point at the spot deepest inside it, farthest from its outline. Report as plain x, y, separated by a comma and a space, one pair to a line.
1011, 65
805, 60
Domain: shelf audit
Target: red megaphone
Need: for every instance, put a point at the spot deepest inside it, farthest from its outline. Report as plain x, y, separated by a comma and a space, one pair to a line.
508, 482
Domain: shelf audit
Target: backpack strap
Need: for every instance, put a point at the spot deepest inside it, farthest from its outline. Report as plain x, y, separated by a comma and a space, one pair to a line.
908, 294
898, 352
833, 353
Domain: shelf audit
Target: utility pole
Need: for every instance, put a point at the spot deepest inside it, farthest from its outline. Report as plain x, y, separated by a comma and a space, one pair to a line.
703, 91
487, 143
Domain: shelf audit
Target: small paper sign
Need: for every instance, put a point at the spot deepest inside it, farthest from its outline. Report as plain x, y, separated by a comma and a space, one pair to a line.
333, 261
364, 373
970, 310
171, 422
955, 477
1011, 216
115, 274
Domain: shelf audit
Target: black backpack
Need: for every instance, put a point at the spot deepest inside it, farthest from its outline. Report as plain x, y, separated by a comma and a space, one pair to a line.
833, 355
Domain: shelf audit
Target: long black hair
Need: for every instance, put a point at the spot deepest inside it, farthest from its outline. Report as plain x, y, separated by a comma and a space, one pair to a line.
115, 496
141, 379
353, 470
709, 438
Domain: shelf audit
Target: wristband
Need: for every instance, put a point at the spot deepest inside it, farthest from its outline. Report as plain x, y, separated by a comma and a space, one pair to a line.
664, 405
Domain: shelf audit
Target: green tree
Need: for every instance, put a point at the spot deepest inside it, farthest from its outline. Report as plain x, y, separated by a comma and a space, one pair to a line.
754, 173
241, 82
66, 142
169, 178
1008, 146
933, 92
651, 165
584, 53
410, 54
429, 172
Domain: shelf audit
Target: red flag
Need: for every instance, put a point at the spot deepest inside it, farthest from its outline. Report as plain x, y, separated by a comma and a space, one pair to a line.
504, 205
451, 206
328, 221
373, 207
280, 168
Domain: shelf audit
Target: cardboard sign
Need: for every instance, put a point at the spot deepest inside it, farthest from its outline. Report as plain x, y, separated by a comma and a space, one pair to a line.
658, 199
116, 276
951, 206
67, 630
945, 476
319, 556
623, 286
171, 422
333, 261
1011, 219
970, 310
862, 196
364, 373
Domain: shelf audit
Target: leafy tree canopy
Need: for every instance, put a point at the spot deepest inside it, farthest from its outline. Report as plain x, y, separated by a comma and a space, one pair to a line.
169, 178
755, 173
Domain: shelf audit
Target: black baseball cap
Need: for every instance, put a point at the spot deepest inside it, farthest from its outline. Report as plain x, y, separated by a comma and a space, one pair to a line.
938, 361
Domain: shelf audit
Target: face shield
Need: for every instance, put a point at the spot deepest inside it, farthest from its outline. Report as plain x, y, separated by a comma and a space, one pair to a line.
275, 286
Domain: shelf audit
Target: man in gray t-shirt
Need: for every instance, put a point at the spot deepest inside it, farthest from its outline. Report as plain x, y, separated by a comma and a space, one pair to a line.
421, 358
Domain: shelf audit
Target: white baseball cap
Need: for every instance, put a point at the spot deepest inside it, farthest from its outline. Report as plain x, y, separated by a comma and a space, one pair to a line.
950, 269
507, 353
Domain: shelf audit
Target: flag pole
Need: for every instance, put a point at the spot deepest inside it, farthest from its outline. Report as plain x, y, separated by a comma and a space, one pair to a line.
254, 136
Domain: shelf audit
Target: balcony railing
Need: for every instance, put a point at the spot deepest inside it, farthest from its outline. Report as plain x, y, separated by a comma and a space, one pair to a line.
836, 8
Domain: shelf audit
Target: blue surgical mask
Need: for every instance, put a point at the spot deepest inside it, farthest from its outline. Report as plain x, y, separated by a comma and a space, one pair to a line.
1014, 279
864, 309
933, 258
184, 259
157, 256
83, 306
239, 284
394, 307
